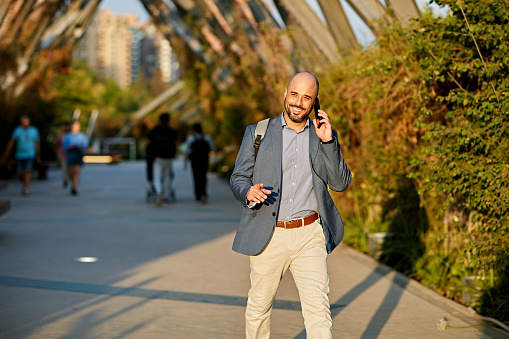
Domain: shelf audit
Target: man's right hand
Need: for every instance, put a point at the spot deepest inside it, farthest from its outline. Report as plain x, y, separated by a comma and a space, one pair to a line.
257, 193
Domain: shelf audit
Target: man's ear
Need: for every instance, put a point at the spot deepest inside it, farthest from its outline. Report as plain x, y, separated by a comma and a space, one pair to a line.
286, 89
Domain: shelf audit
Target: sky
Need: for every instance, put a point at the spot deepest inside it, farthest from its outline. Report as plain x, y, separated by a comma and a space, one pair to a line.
360, 29
126, 7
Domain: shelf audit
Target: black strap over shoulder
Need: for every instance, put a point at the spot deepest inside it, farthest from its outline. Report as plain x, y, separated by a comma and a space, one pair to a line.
257, 144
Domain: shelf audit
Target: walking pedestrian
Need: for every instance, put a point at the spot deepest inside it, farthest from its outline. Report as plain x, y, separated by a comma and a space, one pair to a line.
75, 144
289, 220
163, 141
28, 152
199, 146
149, 171
61, 153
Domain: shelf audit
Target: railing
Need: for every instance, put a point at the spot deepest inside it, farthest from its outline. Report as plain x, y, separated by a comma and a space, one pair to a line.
107, 142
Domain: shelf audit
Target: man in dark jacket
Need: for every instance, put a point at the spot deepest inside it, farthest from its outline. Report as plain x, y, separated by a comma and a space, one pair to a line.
199, 146
163, 143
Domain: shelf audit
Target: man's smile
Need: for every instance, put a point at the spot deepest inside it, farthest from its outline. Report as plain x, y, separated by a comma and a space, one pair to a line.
297, 109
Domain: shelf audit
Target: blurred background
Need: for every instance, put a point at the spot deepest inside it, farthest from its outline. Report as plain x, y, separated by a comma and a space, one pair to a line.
416, 89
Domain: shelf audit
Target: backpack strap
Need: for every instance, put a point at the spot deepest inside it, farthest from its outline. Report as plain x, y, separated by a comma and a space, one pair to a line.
261, 128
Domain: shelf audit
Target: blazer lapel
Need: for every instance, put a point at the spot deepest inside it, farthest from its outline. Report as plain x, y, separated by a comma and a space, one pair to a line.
276, 134
313, 142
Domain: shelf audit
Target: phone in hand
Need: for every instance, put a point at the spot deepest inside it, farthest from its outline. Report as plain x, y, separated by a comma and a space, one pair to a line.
316, 107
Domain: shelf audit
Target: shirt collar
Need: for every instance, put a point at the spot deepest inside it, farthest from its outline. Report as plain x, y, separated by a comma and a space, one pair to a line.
283, 122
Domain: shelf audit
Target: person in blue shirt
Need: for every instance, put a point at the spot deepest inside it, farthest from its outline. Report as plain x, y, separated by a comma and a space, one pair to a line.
27, 151
75, 144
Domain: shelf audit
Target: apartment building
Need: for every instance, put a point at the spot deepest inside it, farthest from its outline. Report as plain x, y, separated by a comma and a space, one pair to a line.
120, 47
106, 47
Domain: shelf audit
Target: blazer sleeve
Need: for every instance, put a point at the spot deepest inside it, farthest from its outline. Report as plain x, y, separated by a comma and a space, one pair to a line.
242, 176
338, 174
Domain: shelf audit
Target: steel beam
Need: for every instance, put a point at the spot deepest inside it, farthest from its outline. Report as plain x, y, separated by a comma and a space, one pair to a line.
171, 24
339, 25
303, 49
370, 11
152, 105
4, 7
62, 34
218, 15
203, 20
313, 26
404, 10
19, 20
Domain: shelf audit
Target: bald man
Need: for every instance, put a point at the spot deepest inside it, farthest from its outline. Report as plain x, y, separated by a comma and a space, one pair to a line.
289, 220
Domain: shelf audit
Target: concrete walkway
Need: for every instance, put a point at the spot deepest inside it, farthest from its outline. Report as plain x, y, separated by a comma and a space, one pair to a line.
169, 272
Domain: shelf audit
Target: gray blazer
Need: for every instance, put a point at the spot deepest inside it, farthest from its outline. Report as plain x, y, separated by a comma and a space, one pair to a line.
328, 169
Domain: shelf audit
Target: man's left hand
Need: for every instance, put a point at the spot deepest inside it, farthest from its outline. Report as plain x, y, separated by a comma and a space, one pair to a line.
325, 130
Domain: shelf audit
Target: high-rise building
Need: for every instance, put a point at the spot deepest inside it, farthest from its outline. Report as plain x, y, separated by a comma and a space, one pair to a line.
121, 47
149, 60
107, 47
155, 52
167, 62
136, 28
136, 52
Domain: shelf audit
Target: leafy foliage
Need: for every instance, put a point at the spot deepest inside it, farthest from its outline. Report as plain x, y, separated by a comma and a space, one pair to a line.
465, 158
423, 126
422, 118
423, 122
250, 90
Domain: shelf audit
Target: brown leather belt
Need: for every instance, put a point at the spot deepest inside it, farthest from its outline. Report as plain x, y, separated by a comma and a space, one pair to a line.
296, 223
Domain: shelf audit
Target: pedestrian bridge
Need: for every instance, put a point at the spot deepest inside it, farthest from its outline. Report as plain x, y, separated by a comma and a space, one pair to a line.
107, 264
208, 28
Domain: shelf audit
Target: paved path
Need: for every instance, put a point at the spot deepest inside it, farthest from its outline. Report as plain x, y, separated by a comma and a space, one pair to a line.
169, 272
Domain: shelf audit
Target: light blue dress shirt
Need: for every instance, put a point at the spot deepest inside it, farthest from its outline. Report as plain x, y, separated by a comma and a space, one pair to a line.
297, 194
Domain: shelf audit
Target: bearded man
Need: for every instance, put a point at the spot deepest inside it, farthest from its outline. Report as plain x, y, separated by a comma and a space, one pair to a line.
289, 220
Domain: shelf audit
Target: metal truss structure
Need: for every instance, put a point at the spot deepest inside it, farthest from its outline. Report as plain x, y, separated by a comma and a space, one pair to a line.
30, 27
208, 28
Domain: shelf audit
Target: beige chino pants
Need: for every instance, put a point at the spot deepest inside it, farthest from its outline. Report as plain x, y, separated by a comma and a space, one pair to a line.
302, 250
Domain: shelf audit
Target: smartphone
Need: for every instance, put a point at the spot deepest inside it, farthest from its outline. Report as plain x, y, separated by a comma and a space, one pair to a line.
316, 107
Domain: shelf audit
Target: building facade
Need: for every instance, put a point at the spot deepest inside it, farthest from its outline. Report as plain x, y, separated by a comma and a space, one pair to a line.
120, 47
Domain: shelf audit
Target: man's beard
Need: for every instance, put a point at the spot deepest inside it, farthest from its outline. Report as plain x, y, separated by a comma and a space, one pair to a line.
296, 119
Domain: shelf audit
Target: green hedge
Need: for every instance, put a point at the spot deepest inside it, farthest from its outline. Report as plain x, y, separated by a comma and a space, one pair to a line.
424, 124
